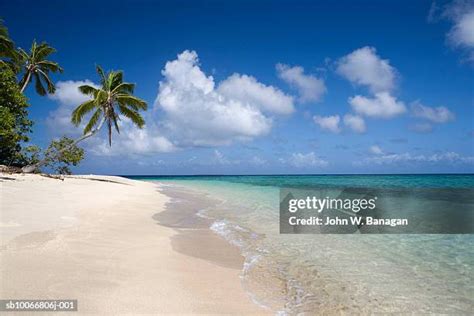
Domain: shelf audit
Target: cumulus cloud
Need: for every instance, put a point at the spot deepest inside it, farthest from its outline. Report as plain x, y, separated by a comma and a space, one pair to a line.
461, 34
376, 150
382, 105
438, 114
248, 90
364, 67
69, 97
450, 157
199, 114
309, 87
300, 160
355, 123
131, 139
328, 123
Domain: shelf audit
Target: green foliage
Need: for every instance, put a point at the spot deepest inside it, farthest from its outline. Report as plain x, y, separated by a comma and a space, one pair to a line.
63, 153
8, 54
14, 122
36, 66
31, 154
114, 98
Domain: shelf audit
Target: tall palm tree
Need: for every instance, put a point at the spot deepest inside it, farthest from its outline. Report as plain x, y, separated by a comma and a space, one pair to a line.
112, 99
108, 102
38, 67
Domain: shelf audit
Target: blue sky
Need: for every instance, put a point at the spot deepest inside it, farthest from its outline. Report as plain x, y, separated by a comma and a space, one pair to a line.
240, 87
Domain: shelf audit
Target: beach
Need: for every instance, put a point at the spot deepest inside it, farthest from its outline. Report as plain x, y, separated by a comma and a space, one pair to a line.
211, 245
97, 239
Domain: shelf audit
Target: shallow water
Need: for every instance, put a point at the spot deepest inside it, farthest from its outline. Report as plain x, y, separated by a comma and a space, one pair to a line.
342, 273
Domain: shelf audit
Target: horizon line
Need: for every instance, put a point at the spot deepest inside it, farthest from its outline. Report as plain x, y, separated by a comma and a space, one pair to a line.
290, 174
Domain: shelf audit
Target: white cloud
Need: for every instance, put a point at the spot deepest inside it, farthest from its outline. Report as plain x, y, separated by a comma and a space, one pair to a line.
461, 34
328, 123
383, 105
450, 157
376, 150
198, 114
309, 87
248, 90
130, 141
67, 92
438, 114
300, 160
68, 96
355, 123
364, 67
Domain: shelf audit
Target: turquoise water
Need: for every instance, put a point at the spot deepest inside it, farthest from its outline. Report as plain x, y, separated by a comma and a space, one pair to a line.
356, 274
405, 181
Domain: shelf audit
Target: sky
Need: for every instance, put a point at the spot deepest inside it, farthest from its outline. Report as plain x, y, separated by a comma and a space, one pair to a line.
264, 87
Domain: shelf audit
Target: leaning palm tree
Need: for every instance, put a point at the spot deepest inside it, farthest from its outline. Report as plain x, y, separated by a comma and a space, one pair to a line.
36, 66
108, 102
112, 99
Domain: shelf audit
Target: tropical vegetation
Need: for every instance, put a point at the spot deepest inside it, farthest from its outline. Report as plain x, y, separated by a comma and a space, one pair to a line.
35, 65
112, 99
108, 104
14, 123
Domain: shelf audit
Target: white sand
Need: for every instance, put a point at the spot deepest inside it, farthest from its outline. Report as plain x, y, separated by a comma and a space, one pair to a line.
96, 242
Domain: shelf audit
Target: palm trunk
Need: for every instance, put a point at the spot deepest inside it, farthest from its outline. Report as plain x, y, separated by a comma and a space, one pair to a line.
27, 80
33, 167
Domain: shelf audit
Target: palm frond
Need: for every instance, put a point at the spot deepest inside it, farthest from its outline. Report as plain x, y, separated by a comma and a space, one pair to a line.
93, 121
115, 119
50, 84
3, 29
7, 47
116, 78
33, 49
43, 50
101, 73
134, 102
82, 110
23, 54
88, 89
134, 116
39, 85
124, 87
50, 66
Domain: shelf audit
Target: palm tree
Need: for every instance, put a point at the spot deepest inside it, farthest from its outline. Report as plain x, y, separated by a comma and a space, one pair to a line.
108, 102
8, 53
38, 67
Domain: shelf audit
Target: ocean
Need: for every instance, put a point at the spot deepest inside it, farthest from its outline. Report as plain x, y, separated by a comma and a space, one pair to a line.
354, 273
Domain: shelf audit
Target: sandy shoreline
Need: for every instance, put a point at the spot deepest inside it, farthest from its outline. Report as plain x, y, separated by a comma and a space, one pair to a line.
95, 239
